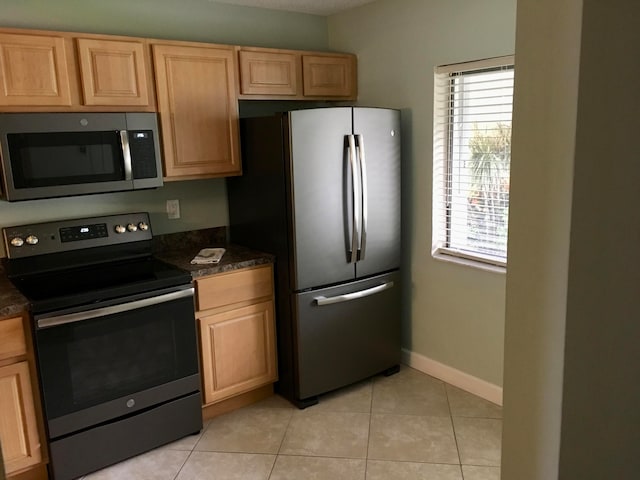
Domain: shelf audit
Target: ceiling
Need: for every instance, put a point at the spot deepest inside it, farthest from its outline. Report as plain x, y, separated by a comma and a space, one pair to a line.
315, 7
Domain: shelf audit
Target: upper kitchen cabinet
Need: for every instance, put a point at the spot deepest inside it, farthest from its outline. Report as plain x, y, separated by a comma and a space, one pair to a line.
198, 108
113, 72
62, 71
269, 72
329, 76
296, 75
34, 70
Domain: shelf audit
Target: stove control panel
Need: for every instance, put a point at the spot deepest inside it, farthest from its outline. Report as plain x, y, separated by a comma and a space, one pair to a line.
67, 235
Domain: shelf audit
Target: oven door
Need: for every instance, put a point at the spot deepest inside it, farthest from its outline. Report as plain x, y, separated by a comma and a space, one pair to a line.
110, 360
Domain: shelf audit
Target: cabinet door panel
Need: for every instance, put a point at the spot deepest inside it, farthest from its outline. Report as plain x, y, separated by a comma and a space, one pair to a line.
269, 73
13, 343
329, 75
238, 350
113, 72
18, 430
198, 110
33, 71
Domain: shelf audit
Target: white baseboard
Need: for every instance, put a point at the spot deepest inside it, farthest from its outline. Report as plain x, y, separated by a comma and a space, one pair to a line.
452, 376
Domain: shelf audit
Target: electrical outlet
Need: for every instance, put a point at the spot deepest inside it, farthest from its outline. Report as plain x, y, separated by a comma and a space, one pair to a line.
173, 209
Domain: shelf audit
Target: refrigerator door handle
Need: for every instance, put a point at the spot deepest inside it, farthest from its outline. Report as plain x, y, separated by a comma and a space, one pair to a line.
355, 179
364, 208
322, 300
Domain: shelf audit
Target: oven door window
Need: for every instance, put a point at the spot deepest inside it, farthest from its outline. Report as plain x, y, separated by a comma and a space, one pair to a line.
90, 362
65, 158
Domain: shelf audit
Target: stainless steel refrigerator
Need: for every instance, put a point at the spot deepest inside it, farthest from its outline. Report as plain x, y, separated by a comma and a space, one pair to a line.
321, 190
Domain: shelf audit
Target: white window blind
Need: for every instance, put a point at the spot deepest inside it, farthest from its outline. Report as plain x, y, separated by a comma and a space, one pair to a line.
471, 159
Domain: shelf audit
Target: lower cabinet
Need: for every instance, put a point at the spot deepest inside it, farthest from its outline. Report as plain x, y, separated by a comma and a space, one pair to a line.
18, 427
237, 332
20, 434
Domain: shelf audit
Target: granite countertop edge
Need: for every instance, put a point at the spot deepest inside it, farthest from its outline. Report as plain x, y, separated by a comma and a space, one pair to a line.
174, 249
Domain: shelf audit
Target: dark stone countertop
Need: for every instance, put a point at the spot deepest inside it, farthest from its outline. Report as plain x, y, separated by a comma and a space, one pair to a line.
12, 302
179, 249
176, 249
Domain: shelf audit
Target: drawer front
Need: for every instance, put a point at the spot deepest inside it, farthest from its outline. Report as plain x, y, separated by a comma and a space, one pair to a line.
12, 341
228, 288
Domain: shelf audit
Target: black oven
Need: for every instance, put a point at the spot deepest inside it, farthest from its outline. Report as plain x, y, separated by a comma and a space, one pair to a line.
115, 339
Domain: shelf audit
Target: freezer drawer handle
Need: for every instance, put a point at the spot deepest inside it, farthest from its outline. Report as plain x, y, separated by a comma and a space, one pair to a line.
125, 307
353, 296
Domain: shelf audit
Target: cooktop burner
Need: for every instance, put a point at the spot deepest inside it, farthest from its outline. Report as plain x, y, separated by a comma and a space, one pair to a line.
62, 264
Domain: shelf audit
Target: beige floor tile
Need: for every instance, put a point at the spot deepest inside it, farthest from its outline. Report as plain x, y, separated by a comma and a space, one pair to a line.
464, 404
186, 443
354, 398
249, 430
274, 401
154, 465
226, 466
479, 440
410, 392
327, 434
480, 473
318, 468
412, 438
384, 470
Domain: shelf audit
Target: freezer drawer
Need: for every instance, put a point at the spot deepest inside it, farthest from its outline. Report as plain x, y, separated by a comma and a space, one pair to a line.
347, 333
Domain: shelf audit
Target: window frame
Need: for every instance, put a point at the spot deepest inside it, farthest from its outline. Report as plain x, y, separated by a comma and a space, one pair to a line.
443, 136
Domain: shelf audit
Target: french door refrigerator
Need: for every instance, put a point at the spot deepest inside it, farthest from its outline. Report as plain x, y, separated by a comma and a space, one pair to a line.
321, 190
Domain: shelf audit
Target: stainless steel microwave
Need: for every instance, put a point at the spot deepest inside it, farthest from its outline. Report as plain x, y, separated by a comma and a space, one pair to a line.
45, 155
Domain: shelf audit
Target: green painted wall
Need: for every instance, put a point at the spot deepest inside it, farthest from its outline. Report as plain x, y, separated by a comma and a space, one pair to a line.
197, 20
203, 203
454, 314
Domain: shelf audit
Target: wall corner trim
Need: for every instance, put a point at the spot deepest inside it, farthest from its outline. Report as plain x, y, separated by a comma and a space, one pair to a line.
452, 376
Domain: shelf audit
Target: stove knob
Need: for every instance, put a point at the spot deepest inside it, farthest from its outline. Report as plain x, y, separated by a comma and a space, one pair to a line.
120, 229
17, 241
143, 226
31, 239
132, 227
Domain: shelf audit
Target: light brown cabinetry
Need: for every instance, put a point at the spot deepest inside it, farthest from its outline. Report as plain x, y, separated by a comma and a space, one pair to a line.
329, 75
113, 72
269, 73
61, 71
236, 324
19, 422
34, 70
197, 103
296, 75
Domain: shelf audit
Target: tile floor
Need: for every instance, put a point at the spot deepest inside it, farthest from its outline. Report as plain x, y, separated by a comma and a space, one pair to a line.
408, 426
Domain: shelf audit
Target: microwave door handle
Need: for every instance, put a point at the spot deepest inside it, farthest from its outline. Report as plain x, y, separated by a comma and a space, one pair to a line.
126, 154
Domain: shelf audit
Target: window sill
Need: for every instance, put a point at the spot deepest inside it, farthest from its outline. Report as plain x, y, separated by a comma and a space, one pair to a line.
467, 262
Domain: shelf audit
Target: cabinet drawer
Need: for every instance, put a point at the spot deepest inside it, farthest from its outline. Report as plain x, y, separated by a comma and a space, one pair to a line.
227, 288
12, 341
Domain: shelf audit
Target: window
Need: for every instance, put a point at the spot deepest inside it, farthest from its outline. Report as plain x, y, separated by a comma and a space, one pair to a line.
471, 159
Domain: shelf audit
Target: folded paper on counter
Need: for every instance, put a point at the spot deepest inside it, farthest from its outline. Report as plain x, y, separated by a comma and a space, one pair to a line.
208, 255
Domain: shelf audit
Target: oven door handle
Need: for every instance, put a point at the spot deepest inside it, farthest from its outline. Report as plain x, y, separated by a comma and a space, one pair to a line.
57, 320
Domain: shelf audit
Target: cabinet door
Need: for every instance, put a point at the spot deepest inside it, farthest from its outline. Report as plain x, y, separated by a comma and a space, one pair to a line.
329, 75
33, 71
113, 72
198, 108
269, 73
238, 350
18, 428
